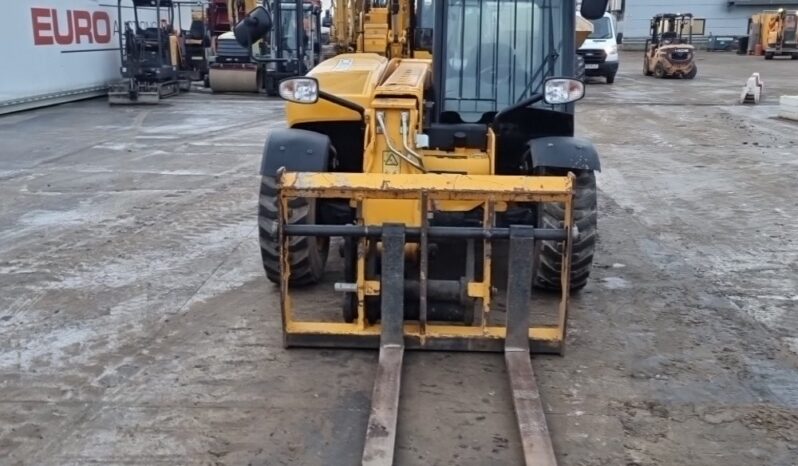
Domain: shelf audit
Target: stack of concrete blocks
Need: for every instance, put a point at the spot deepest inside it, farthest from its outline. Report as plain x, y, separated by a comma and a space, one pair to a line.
788, 107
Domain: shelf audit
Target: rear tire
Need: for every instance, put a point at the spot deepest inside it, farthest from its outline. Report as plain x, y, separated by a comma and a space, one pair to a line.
769, 55
646, 71
548, 255
307, 255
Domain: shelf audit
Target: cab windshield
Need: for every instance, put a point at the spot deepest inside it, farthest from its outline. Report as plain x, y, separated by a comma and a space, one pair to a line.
601, 29
499, 52
288, 27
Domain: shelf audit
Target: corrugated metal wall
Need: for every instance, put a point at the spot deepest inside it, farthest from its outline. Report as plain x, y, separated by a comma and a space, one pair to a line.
721, 18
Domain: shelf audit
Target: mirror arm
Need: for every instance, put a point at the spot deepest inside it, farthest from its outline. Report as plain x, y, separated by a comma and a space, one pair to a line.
343, 103
532, 99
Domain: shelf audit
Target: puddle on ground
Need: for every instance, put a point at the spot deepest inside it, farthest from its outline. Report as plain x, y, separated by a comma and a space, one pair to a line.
615, 283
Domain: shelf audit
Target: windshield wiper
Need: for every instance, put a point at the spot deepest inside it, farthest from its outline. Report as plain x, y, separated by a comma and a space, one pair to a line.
550, 60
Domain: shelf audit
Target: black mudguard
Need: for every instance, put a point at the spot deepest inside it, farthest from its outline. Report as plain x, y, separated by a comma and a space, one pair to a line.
297, 150
564, 152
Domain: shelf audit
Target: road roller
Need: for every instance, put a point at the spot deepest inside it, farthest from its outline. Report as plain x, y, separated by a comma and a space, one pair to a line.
287, 51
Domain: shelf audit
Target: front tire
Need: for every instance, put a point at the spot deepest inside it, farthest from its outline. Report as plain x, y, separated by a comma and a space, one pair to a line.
307, 255
693, 72
548, 255
659, 71
610, 78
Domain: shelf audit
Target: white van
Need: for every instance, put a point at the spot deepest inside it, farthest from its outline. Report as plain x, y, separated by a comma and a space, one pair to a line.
600, 49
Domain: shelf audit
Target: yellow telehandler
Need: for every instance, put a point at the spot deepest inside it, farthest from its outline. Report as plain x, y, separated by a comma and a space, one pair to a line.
443, 180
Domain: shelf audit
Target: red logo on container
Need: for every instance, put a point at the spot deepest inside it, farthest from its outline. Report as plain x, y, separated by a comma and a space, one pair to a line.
82, 27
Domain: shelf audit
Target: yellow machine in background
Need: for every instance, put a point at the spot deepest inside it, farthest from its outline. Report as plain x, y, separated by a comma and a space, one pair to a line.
776, 33
383, 27
455, 185
401, 28
386, 27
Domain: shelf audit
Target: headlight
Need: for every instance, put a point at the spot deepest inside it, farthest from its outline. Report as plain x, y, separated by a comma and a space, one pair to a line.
562, 90
613, 50
303, 90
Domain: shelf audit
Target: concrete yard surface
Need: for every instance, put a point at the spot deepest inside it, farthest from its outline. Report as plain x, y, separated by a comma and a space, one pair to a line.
137, 325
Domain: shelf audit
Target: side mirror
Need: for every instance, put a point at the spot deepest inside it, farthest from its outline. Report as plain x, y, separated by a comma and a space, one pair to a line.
619, 38
255, 26
593, 9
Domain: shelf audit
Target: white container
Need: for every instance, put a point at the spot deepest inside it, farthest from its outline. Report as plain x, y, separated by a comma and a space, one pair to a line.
788, 107
61, 50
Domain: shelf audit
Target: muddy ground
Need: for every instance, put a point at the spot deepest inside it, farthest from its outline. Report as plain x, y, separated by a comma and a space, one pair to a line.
136, 326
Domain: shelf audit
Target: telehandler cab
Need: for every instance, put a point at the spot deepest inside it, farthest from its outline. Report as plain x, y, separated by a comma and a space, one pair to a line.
427, 169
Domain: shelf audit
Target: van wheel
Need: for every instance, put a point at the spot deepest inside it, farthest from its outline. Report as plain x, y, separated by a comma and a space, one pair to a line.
579, 68
610, 78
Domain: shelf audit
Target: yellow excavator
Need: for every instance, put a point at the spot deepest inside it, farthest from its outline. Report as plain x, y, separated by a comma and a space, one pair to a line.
400, 28
391, 28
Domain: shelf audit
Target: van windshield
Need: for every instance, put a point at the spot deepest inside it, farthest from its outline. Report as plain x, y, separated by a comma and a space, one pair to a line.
601, 29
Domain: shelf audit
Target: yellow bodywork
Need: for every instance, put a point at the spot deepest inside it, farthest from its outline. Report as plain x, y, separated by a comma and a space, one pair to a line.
389, 89
352, 76
414, 191
400, 181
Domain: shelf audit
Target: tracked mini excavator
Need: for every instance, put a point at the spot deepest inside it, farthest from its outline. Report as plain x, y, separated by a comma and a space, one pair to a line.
455, 187
150, 57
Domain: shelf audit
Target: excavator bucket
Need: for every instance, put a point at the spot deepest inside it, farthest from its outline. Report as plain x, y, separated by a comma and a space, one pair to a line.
392, 296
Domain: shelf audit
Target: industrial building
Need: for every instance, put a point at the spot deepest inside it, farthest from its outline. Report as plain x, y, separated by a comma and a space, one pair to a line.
722, 17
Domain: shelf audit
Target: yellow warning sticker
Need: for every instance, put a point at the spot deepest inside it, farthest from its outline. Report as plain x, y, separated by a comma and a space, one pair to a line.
390, 162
